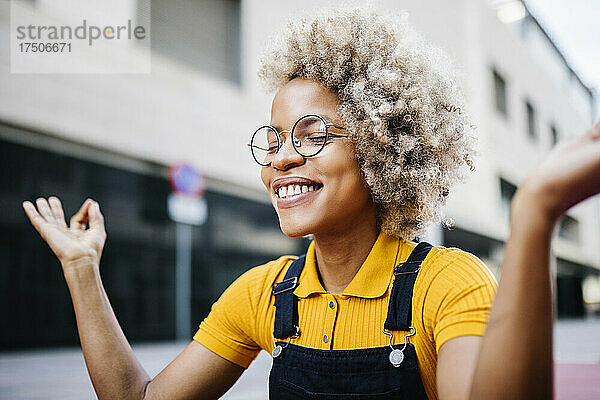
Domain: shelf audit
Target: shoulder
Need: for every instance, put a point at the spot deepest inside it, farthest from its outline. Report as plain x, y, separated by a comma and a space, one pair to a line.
449, 266
231, 328
452, 280
453, 294
245, 300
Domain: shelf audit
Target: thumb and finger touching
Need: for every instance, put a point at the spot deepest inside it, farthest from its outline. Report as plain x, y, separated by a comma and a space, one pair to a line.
49, 220
88, 214
79, 219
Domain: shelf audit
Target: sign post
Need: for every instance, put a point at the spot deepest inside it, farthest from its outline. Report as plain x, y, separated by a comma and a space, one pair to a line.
186, 207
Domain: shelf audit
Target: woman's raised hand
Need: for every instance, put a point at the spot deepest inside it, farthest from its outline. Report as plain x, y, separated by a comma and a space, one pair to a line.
568, 175
75, 245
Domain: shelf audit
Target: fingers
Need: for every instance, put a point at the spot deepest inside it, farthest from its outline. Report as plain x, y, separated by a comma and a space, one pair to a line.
80, 218
57, 210
47, 212
51, 211
36, 219
96, 218
44, 209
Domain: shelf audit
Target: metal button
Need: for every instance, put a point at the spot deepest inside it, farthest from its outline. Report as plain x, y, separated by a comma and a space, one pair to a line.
325, 338
396, 357
331, 304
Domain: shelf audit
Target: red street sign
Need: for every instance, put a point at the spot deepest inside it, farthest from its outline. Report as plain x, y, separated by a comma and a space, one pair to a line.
186, 180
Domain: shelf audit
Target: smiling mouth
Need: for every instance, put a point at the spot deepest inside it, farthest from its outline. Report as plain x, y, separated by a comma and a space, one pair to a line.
290, 191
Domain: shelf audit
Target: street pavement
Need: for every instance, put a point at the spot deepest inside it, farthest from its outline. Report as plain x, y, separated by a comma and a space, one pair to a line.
61, 373
577, 356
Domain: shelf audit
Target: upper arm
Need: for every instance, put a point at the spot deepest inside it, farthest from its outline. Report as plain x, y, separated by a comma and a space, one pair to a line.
457, 295
196, 373
458, 299
457, 359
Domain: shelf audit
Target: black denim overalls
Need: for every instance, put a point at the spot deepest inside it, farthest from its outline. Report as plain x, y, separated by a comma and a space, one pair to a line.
389, 372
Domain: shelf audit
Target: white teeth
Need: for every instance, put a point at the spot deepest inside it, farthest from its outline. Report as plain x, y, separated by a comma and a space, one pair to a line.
292, 190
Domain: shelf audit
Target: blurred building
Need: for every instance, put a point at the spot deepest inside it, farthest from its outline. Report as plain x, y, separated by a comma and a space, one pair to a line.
112, 138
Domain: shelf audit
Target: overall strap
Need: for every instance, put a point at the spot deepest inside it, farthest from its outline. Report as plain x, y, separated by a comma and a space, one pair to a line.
399, 315
286, 302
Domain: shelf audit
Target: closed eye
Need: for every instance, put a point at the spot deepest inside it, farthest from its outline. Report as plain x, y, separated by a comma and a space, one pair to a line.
269, 149
315, 138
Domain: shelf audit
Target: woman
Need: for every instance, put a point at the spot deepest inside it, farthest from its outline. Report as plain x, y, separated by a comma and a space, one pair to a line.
365, 140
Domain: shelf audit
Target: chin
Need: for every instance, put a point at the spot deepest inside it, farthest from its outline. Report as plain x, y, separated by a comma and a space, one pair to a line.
294, 230
294, 227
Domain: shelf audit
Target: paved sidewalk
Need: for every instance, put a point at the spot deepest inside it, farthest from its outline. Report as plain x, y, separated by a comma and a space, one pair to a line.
61, 373
577, 341
577, 352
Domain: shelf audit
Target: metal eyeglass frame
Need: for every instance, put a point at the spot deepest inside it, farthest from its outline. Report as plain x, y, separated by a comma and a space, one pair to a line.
279, 143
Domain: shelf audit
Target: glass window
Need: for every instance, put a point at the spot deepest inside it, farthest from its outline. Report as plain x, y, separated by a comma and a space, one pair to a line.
507, 191
500, 93
553, 134
203, 34
531, 125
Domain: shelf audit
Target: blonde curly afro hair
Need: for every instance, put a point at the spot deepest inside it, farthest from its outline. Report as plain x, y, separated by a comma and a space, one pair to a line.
399, 101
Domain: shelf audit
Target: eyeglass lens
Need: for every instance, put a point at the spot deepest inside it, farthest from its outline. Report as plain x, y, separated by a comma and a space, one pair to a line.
309, 135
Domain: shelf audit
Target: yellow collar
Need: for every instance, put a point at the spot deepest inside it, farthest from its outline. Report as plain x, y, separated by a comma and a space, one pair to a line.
372, 279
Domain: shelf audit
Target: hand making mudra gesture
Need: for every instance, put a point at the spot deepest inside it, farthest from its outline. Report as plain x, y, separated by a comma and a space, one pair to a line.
77, 245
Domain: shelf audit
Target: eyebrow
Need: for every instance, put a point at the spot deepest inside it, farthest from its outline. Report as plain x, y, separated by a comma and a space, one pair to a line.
326, 117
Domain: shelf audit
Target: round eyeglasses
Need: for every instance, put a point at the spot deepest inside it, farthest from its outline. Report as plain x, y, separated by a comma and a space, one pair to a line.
309, 136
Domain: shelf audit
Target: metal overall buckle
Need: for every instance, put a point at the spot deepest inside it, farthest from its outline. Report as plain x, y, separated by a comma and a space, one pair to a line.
278, 349
397, 355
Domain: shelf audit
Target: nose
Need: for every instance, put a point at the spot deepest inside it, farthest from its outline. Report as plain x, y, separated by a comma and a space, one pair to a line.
287, 157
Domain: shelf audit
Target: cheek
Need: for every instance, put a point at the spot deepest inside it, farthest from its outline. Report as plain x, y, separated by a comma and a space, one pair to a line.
265, 176
351, 185
360, 192
356, 190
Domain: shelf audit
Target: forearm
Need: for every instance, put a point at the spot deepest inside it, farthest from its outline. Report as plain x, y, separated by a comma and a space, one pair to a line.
113, 368
515, 359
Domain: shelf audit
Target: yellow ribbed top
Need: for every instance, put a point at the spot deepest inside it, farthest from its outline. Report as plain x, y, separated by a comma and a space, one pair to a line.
452, 297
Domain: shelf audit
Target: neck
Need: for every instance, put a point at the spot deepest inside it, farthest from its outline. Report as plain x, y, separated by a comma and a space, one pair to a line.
340, 255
